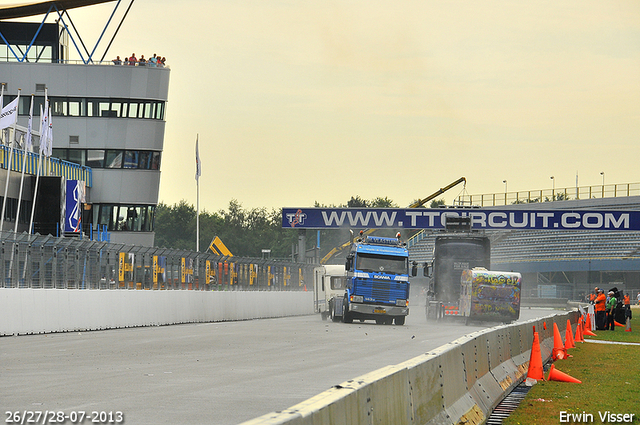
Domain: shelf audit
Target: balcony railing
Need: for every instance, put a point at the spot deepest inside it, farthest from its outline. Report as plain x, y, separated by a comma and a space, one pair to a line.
51, 166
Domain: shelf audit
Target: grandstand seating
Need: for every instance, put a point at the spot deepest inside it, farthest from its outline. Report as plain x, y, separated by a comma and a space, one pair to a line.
547, 245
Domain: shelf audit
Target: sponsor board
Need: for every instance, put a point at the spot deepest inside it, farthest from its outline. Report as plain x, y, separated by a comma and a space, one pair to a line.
431, 218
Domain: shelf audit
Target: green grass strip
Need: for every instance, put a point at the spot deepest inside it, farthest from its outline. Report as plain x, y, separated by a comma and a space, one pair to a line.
610, 375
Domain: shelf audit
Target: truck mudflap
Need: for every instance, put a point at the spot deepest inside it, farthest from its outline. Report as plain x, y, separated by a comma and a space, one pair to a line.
339, 306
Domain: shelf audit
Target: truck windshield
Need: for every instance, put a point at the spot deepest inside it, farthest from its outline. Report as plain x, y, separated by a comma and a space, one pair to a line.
382, 264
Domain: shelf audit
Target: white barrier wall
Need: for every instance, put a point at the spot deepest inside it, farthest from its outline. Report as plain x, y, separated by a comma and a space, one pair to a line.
27, 311
460, 382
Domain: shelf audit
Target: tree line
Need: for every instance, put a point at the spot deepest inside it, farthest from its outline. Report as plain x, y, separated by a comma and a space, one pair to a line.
246, 232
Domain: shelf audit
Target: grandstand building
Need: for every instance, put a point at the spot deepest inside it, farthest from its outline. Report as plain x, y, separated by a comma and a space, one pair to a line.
563, 264
106, 117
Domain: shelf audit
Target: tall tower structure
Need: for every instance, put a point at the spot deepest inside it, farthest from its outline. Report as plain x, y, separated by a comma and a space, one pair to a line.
106, 116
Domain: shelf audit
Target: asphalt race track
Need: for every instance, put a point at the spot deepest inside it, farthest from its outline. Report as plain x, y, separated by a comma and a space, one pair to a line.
214, 373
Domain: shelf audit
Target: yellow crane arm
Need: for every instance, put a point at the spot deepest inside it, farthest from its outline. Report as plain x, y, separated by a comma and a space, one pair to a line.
440, 191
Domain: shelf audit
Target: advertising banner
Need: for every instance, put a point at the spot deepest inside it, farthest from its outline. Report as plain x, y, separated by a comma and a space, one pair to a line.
432, 218
74, 198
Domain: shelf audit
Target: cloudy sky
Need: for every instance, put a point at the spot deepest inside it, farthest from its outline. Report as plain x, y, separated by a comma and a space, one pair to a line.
303, 101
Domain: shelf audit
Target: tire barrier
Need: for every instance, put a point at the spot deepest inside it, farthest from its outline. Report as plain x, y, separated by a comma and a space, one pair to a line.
459, 382
28, 311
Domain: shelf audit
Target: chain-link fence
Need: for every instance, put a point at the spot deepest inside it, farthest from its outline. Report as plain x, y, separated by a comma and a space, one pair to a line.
35, 261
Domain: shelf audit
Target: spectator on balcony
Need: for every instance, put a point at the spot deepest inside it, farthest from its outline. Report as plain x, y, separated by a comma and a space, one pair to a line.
117, 61
142, 61
133, 60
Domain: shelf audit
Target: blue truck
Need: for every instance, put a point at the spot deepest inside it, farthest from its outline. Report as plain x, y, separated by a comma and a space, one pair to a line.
377, 281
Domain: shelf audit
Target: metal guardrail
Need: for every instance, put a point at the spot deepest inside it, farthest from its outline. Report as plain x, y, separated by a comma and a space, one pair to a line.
35, 261
81, 62
550, 195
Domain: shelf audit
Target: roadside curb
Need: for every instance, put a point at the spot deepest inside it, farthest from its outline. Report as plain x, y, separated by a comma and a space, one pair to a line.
611, 342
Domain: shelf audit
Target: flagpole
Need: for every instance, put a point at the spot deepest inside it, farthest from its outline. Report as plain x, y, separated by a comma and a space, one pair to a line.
27, 145
198, 216
24, 166
6, 186
35, 189
197, 196
42, 140
2, 141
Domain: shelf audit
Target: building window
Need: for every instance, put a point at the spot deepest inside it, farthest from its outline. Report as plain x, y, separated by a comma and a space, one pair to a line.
113, 159
105, 216
59, 107
95, 158
126, 218
145, 160
59, 153
130, 159
77, 156
155, 162
76, 108
93, 107
133, 110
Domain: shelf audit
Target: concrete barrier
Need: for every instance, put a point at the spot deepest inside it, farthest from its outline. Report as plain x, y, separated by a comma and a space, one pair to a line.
460, 382
28, 311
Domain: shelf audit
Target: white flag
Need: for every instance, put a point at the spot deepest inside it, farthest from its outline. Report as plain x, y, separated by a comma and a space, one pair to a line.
44, 129
198, 169
50, 135
28, 142
9, 114
44, 124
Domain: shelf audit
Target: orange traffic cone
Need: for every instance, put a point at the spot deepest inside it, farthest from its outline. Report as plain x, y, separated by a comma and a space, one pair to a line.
589, 333
568, 336
535, 360
556, 375
559, 352
588, 323
618, 324
579, 337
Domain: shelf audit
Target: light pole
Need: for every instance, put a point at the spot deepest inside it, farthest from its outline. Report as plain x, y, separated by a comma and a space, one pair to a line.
602, 174
505, 191
553, 191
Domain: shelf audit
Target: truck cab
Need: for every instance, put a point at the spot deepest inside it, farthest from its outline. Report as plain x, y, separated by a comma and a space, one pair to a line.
377, 281
328, 290
453, 254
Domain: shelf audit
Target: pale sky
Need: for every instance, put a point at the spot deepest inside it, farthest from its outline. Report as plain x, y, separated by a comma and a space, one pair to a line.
303, 101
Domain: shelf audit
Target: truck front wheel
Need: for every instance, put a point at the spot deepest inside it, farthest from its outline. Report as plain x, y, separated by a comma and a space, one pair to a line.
399, 320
